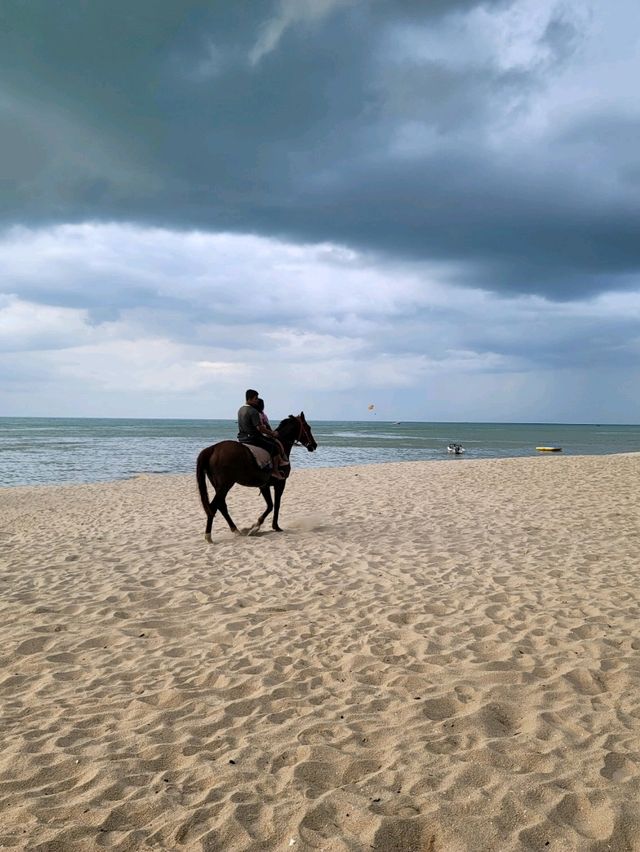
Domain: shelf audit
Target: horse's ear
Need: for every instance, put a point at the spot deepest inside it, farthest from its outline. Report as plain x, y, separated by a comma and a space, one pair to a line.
302, 414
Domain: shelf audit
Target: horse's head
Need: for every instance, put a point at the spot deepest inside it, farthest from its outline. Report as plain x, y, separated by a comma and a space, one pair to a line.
306, 439
297, 430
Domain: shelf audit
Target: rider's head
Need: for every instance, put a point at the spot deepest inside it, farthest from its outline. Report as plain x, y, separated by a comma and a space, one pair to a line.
251, 396
259, 404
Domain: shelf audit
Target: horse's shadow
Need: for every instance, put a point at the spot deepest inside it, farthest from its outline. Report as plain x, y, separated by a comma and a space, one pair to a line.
294, 527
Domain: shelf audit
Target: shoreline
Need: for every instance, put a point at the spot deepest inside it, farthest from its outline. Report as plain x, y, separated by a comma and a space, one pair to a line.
299, 470
439, 657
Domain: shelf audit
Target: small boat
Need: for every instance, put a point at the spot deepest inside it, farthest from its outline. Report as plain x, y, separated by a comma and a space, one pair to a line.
549, 449
456, 449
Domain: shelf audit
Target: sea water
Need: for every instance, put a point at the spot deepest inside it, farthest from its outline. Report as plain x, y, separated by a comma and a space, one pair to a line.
36, 450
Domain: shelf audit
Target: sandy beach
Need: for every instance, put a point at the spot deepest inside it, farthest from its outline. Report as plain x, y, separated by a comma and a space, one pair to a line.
431, 657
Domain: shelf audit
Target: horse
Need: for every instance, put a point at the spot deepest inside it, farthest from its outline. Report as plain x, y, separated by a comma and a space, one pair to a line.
229, 462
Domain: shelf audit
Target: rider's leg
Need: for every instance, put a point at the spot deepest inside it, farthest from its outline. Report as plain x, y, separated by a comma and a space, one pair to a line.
272, 448
275, 469
284, 461
276, 461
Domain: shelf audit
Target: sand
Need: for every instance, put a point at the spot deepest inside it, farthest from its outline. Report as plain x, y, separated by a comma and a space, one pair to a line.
433, 656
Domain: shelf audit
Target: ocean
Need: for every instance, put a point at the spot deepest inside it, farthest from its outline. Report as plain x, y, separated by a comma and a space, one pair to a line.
55, 451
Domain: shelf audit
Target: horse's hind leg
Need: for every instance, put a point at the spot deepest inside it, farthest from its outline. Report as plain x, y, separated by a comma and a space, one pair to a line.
213, 505
222, 506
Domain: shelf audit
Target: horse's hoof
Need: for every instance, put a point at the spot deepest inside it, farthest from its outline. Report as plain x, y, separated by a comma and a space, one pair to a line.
277, 529
253, 529
207, 537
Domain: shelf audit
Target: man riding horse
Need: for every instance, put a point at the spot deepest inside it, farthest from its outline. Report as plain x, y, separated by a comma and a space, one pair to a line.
252, 430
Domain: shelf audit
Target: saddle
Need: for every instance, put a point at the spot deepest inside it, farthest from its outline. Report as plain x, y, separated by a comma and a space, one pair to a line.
262, 457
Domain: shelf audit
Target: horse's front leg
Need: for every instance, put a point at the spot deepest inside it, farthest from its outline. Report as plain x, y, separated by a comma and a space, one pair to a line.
278, 488
266, 493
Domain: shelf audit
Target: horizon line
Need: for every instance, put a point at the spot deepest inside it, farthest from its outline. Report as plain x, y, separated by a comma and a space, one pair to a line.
316, 420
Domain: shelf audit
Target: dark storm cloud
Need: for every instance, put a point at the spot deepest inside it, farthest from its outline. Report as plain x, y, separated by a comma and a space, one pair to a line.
313, 123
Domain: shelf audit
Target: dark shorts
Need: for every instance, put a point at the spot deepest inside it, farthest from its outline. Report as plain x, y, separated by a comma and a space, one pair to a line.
267, 444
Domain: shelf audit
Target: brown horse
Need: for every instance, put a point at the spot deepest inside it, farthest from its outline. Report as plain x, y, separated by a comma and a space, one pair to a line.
230, 462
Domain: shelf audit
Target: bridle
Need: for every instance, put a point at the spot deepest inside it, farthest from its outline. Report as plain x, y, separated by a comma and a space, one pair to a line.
304, 433
304, 437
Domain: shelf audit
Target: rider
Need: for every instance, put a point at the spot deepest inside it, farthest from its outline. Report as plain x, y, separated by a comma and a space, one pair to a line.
251, 430
283, 460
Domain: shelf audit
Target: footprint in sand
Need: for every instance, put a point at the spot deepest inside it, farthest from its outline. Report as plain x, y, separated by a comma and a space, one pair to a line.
442, 708
617, 767
590, 817
33, 646
400, 835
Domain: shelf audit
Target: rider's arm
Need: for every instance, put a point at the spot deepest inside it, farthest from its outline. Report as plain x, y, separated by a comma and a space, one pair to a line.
264, 427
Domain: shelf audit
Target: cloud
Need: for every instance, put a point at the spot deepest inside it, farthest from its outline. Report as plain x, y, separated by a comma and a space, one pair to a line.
233, 278
290, 13
464, 133
326, 199
26, 326
194, 317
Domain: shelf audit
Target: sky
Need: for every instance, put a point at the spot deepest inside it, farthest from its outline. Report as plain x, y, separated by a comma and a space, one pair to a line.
428, 205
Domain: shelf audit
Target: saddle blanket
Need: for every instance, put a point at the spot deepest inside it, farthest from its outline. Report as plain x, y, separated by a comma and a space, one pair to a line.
261, 456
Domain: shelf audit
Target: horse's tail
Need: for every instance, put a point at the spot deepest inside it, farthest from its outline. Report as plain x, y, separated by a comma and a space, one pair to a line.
201, 476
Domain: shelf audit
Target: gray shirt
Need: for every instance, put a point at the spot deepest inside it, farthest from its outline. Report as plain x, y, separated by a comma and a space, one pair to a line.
248, 422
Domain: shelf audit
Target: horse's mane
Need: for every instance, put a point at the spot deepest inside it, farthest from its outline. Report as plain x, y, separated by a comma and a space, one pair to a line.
285, 421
